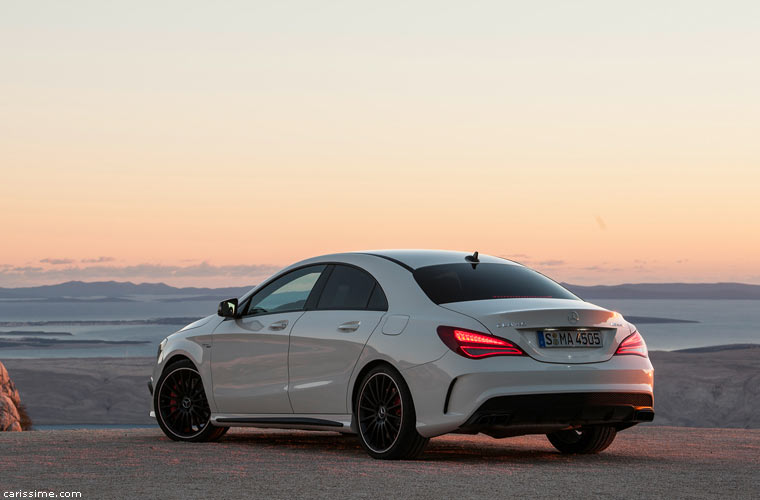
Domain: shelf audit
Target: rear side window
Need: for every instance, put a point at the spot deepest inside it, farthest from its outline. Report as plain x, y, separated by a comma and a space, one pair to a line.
351, 288
463, 282
377, 301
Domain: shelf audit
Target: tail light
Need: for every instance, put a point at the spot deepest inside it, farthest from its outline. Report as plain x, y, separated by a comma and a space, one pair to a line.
476, 345
633, 344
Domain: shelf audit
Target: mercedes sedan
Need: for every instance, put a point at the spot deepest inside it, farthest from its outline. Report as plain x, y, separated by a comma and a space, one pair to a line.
399, 346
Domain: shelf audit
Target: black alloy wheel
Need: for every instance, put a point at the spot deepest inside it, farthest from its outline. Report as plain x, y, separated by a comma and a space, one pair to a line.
586, 440
181, 407
385, 416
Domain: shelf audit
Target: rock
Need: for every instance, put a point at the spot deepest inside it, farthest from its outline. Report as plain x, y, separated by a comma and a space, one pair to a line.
7, 386
9, 417
10, 420
4, 377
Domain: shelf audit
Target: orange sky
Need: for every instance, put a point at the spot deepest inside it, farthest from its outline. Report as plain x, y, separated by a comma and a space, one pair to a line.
173, 143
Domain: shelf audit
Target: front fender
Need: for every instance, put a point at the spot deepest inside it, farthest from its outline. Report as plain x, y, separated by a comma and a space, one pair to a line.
192, 345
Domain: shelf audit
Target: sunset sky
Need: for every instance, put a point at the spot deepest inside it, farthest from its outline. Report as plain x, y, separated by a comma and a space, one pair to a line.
211, 143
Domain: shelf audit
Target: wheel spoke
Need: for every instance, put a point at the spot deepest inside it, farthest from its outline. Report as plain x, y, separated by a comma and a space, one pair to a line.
374, 395
382, 389
174, 415
392, 427
379, 433
390, 397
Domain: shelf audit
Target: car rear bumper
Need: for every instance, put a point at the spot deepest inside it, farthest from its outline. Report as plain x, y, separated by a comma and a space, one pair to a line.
539, 413
529, 396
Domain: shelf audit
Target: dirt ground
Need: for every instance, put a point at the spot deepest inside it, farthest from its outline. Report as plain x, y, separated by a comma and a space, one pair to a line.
643, 462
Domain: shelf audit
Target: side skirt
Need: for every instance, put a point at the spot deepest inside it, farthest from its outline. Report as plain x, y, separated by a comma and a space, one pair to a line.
334, 423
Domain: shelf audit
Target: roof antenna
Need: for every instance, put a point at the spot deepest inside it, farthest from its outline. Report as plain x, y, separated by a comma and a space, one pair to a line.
472, 258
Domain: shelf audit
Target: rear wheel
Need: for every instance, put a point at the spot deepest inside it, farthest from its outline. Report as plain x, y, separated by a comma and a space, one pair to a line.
592, 439
385, 417
181, 407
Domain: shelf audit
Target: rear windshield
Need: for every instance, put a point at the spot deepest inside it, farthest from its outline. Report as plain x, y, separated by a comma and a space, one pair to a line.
462, 282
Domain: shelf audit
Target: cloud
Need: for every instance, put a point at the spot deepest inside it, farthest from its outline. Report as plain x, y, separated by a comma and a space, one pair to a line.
97, 260
550, 263
56, 262
27, 275
604, 269
21, 269
600, 222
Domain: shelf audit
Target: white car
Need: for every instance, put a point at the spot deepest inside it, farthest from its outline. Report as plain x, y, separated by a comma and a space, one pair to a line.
399, 346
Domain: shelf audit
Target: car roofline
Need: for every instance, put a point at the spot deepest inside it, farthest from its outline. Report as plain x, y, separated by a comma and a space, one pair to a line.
395, 261
413, 259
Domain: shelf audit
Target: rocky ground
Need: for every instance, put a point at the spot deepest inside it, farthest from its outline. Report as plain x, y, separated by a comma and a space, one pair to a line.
718, 388
643, 462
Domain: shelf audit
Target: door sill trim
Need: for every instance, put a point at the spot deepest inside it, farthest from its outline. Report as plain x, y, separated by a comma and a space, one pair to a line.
339, 423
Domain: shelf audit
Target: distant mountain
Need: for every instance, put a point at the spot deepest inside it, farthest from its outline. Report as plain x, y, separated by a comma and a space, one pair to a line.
715, 291
115, 289
121, 290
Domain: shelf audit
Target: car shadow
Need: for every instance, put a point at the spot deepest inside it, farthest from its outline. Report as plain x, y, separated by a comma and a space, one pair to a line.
448, 449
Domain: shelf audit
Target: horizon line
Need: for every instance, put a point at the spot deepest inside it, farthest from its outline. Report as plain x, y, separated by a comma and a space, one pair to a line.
129, 282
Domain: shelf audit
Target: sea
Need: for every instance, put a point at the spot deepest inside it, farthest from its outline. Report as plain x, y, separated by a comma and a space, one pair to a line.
134, 328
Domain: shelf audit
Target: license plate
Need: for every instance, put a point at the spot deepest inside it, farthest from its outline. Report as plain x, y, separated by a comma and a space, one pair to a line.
570, 338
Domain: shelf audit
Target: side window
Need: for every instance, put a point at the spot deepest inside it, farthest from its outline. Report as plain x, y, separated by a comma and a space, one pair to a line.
351, 288
287, 293
377, 301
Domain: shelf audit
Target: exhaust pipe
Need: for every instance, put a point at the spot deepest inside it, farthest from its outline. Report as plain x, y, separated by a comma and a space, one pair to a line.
644, 415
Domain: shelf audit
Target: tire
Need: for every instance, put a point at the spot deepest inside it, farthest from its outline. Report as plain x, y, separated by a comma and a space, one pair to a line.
586, 440
385, 417
181, 407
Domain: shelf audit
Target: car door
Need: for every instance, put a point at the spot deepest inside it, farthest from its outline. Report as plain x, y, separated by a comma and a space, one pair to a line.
249, 359
326, 342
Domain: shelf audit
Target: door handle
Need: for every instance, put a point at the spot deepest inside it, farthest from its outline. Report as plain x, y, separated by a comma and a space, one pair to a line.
279, 325
350, 326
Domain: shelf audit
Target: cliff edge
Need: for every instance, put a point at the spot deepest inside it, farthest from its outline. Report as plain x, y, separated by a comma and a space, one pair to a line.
10, 417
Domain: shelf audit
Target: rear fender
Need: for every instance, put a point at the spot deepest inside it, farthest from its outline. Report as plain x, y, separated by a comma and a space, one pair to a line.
418, 344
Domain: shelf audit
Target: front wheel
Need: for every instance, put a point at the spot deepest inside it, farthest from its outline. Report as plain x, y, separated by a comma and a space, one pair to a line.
181, 407
385, 417
585, 440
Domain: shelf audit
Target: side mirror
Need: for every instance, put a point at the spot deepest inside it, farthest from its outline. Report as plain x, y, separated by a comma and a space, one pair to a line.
228, 308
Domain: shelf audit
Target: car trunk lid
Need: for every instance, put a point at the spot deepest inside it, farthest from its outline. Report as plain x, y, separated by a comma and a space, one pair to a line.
523, 321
